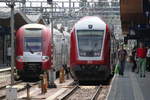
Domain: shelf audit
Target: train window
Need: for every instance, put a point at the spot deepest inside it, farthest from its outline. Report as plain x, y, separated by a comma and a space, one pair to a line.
90, 42
32, 44
33, 32
90, 32
33, 29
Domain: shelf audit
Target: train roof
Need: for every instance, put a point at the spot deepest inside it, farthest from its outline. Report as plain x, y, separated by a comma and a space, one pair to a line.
90, 22
34, 25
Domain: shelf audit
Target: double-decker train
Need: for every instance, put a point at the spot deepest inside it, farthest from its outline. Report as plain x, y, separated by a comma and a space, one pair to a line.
90, 50
35, 53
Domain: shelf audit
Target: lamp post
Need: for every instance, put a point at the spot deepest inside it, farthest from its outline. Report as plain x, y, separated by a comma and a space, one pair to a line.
147, 15
70, 7
12, 40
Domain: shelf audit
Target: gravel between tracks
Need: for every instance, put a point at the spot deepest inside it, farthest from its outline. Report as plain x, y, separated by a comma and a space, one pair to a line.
103, 93
83, 93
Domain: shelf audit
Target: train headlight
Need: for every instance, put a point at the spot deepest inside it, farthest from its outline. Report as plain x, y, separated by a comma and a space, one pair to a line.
19, 58
45, 58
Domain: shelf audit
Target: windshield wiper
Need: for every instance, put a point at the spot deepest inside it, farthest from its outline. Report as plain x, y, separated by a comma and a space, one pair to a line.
30, 49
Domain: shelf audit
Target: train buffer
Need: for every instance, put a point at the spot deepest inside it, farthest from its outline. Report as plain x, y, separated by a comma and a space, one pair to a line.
130, 86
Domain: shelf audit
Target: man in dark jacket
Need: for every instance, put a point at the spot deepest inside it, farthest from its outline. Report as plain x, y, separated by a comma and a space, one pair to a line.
122, 59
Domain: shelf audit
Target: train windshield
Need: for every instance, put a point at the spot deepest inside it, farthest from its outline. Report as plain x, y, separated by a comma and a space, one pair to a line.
33, 44
90, 42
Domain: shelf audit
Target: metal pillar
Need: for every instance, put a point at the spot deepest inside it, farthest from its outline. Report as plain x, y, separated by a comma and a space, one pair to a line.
52, 75
12, 41
52, 72
70, 7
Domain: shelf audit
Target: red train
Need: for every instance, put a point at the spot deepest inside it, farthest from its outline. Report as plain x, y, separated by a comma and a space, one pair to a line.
90, 50
33, 50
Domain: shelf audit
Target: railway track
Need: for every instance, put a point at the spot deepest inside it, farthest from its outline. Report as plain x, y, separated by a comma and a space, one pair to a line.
21, 85
82, 93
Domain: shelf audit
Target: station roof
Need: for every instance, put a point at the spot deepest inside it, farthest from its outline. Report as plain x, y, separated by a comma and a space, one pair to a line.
19, 17
132, 13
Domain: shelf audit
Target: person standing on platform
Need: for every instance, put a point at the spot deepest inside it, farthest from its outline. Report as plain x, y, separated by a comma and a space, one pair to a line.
141, 54
148, 59
133, 59
122, 53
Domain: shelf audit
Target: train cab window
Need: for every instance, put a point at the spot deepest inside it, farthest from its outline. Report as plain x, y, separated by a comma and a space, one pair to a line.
90, 42
33, 40
32, 44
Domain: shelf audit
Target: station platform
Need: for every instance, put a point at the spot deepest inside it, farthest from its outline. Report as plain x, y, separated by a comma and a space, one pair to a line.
51, 94
130, 86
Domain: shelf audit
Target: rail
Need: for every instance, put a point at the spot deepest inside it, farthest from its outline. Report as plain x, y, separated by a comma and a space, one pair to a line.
97, 93
92, 92
70, 93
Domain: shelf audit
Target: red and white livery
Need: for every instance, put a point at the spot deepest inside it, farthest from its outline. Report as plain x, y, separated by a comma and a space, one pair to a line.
33, 50
90, 50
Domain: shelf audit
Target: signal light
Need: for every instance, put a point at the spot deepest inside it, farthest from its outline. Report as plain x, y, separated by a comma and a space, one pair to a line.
19, 58
45, 58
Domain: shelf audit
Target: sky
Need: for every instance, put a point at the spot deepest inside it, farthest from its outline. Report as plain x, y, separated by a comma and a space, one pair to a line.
61, 0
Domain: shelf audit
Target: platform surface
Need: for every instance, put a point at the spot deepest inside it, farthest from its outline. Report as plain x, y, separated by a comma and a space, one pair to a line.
130, 86
51, 94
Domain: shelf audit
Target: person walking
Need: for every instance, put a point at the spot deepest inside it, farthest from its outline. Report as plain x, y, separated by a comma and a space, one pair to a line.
122, 53
133, 59
141, 54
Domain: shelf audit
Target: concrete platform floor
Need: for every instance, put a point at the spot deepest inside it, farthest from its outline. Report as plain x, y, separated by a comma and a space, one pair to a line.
130, 86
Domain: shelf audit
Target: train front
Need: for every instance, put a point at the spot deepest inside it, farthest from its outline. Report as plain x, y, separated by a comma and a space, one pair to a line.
33, 50
90, 50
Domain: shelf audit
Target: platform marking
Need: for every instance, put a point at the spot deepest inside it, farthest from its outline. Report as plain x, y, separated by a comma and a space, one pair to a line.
138, 95
110, 87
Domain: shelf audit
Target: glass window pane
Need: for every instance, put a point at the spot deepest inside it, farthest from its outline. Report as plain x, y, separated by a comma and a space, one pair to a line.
90, 42
33, 44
